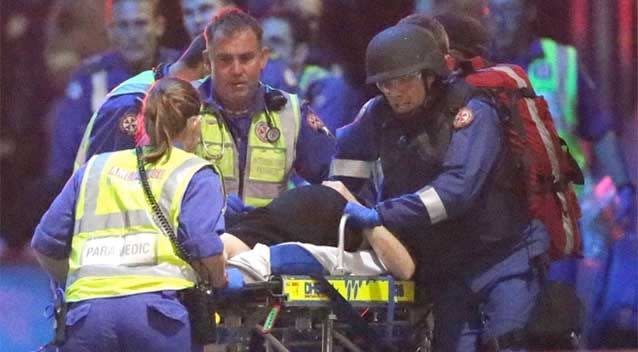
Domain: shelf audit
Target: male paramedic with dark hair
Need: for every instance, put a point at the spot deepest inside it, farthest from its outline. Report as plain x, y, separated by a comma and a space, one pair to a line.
439, 148
255, 134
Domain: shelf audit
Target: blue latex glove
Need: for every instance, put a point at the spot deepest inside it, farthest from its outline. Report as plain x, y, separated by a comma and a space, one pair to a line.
626, 205
235, 205
362, 217
235, 282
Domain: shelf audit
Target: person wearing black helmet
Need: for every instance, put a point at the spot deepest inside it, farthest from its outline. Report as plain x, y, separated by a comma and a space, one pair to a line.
433, 150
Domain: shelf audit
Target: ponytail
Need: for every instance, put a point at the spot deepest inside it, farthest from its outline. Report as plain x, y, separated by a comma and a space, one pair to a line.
170, 102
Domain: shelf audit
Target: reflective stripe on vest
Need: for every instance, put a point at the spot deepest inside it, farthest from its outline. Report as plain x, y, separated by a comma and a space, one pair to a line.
554, 162
137, 84
268, 165
117, 248
555, 77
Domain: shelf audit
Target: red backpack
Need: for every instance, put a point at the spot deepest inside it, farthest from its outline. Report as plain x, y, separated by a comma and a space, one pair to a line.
548, 168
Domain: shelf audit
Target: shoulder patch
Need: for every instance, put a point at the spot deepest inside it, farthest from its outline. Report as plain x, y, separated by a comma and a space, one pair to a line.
463, 118
128, 124
314, 121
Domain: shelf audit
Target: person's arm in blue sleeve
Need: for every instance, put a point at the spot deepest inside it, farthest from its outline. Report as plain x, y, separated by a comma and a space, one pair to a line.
595, 124
114, 128
201, 221
356, 154
52, 237
471, 156
314, 149
72, 115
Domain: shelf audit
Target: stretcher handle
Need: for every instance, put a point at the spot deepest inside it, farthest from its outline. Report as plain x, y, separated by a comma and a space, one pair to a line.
340, 270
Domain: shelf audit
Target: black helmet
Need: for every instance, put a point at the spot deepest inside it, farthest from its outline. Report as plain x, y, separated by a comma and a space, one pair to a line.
400, 50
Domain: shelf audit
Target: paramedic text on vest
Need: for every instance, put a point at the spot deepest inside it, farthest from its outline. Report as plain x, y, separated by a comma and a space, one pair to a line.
99, 236
255, 134
437, 152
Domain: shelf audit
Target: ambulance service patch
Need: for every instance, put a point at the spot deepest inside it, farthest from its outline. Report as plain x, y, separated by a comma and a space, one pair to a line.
261, 130
314, 121
464, 117
128, 124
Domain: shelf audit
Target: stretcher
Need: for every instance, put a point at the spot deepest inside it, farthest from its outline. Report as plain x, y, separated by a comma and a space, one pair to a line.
304, 307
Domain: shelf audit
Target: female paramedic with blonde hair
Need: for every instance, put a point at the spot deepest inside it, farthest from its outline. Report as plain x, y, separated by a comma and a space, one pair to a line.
100, 235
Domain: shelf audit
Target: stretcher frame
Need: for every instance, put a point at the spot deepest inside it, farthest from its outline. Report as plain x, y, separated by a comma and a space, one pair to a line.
303, 302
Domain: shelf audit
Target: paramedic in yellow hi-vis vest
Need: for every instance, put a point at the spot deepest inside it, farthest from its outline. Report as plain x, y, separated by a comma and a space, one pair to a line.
255, 134
101, 235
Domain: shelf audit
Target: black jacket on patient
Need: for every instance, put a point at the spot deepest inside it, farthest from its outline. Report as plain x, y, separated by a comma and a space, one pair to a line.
309, 214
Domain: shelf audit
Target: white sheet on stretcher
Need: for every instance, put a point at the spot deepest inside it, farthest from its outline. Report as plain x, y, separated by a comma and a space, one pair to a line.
256, 262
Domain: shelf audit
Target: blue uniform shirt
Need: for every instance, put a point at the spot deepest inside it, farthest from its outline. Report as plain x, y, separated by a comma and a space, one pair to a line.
84, 95
468, 161
278, 74
198, 229
335, 101
470, 158
314, 150
593, 121
109, 131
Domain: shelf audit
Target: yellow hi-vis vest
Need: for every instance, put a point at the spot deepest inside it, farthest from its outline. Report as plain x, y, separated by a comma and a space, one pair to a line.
268, 165
117, 247
555, 77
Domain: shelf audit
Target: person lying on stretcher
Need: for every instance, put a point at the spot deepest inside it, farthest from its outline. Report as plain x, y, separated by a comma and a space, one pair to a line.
300, 227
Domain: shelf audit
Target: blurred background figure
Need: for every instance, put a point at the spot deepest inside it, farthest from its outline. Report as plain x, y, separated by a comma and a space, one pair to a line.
197, 13
74, 30
474, 8
23, 105
134, 29
54, 36
289, 36
583, 119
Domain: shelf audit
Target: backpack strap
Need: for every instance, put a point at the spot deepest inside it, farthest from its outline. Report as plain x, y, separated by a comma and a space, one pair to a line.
460, 93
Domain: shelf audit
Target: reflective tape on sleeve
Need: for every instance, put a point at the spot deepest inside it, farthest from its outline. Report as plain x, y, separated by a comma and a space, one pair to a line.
433, 204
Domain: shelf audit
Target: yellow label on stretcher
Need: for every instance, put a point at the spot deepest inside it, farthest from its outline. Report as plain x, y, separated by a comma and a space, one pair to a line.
353, 289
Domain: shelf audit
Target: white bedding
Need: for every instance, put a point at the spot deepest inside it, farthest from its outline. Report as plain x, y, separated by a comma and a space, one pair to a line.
256, 262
